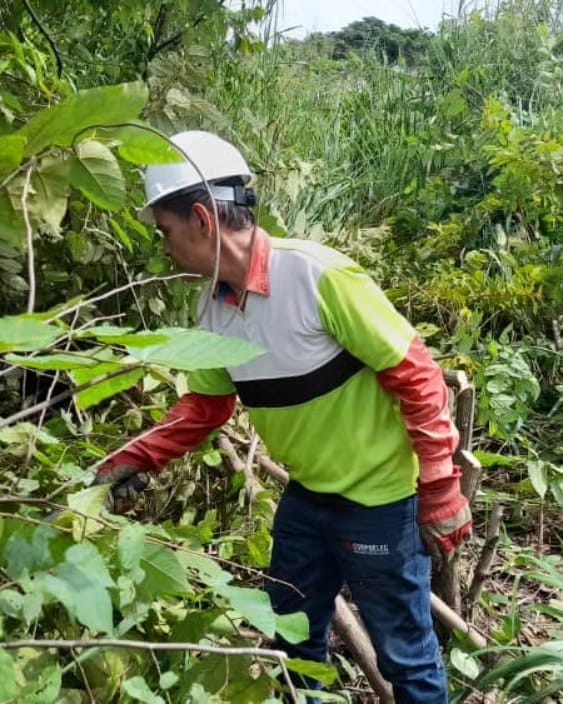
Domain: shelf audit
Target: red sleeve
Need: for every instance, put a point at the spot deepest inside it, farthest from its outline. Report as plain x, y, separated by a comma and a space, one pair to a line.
186, 426
420, 387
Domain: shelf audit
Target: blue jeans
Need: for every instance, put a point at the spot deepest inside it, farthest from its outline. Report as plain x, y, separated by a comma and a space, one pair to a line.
323, 541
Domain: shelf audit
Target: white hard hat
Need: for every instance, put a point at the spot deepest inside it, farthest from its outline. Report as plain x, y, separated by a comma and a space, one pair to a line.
216, 158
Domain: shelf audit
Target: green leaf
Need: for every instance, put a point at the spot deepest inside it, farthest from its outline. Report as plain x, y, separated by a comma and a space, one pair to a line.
188, 350
11, 153
32, 604
141, 147
80, 583
253, 605
294, 628
96, 173
23, 334
11, 602
538, 476
168, 680
58, 125
205, 569
104, 388
317, 670
464, 663
51, 362
138, 689
12, 224
89, 501
114, 335
131, 545
50, 185
163, 572
45, 689
8, 684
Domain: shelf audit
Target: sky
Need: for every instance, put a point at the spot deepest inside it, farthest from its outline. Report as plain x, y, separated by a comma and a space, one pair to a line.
328, 15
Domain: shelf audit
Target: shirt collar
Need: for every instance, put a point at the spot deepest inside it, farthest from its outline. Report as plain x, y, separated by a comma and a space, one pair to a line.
258, 280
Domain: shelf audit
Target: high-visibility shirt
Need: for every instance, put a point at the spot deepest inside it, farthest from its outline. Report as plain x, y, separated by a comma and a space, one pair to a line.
345, 394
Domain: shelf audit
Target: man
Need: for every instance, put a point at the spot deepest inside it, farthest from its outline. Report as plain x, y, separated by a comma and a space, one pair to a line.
347, 396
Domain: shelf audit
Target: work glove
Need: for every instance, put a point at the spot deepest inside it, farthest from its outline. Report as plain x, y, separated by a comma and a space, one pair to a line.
444, 514
128, 483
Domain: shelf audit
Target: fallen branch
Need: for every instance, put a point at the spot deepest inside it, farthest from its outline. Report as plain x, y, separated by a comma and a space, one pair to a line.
454, 622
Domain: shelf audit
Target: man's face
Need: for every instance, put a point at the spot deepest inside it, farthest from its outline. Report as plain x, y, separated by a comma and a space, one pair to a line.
188, 241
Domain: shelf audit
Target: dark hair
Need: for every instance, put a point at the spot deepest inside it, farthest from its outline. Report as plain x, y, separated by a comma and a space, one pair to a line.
235, 217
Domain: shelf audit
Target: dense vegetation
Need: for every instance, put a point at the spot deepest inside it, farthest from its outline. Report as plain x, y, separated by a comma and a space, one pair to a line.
434, 160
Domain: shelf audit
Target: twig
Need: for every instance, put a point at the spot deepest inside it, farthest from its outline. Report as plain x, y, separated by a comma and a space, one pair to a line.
47, 37
114, 291
488, 554
265, 653
84, 677
29, 238
157, 666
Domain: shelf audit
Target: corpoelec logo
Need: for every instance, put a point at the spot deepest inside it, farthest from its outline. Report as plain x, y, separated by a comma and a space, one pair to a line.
367, 548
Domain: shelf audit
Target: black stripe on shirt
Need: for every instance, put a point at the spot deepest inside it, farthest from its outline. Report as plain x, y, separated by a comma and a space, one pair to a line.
294, 390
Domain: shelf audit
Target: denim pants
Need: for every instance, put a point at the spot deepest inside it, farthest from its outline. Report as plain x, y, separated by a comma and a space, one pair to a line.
322, 542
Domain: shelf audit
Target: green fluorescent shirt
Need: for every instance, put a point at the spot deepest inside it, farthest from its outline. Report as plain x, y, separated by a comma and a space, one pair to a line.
314, 398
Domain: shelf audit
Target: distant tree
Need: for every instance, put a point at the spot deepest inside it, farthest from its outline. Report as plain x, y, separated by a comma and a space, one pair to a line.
371, 33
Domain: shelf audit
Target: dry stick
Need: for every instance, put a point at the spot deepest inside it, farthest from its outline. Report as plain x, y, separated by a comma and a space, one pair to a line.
488, 554
277, 655
84, 676
29, 237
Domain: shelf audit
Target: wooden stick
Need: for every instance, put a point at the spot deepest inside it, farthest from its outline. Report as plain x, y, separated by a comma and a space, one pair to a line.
358, 642
454, 622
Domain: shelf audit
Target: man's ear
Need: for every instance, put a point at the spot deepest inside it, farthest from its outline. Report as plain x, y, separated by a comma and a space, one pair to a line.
204, 218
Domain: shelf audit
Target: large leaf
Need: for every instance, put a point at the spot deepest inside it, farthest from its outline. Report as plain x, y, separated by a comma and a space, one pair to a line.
107, 105
294, 628
138, 689
123, 336
50, 185
103, 388
317, 670
23, 334
189, 350
51, 362
11, 153
464, 663
253, 605
81, 584
90, 502
8, 684
96, 173
141, 147
12, 224
131, 545
163, 572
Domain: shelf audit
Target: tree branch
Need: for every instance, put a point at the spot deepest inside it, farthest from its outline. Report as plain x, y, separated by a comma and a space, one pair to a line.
279, 655
47, 37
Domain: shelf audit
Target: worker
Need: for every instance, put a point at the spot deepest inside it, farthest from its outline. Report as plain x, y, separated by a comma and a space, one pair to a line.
346, 395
